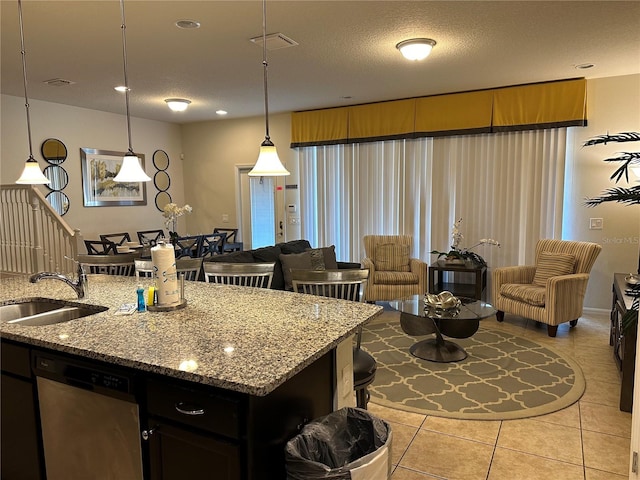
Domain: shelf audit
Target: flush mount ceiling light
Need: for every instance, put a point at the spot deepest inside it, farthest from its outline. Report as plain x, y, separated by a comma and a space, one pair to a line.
416, 48
187, 24
268, 163
178, 104
31, 175
130, 171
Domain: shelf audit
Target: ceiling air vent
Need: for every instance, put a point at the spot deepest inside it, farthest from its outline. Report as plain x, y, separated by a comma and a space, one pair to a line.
275, 41
59, 82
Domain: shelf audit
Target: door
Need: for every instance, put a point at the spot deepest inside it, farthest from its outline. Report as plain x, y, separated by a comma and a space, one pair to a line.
257, 201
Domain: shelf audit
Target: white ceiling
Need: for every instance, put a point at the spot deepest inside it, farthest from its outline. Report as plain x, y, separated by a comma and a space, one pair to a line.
346, 53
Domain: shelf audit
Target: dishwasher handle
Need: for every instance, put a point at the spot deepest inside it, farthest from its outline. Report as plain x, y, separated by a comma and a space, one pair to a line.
190, 409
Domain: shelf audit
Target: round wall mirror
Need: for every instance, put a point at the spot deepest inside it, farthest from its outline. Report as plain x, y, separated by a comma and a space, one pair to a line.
162, 198
161, 180
160, 160
59, 201
53, 151
58, 178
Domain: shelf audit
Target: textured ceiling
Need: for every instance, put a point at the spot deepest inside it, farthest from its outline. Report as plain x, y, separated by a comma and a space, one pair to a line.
346, 49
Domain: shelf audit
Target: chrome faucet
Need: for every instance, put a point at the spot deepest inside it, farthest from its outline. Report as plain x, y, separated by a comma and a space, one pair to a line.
79, 286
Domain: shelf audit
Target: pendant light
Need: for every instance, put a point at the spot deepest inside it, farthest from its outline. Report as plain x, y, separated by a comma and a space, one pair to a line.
130, 171
268, 164
31, 175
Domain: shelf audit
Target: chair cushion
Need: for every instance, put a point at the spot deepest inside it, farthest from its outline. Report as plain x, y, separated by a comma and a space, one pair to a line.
524, 292
364, 367
309, 260
392, 257
552, 264
395, 278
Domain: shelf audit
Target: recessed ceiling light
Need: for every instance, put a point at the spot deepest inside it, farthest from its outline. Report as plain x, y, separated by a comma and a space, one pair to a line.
416, 48
187, 24
178, 104
121, 88
585, 66
221, 112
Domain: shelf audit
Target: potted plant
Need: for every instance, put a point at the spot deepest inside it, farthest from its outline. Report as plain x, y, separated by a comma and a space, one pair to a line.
461, 255
625, 195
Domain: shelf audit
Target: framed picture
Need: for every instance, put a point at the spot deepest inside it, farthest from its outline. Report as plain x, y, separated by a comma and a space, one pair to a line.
99, 167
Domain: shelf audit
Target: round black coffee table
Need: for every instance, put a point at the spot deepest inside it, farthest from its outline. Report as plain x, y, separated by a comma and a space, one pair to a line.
462, 323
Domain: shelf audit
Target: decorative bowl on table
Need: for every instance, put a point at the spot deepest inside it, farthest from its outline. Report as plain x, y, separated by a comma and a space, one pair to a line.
632, 279
444, 302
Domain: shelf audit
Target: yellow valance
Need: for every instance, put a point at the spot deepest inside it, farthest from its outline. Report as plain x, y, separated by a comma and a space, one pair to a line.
454, 114
320, 127
555, 104
541, 105
382, 121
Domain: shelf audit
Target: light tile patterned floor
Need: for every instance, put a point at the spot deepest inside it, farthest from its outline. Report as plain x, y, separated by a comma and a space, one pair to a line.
587, 441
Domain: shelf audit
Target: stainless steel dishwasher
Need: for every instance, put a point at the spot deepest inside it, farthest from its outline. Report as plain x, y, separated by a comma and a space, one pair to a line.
90, 422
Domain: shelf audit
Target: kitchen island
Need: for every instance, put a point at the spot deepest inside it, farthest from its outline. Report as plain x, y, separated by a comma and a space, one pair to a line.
263, 360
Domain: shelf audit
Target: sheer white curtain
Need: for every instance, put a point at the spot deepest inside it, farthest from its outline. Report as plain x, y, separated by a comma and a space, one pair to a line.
506, 186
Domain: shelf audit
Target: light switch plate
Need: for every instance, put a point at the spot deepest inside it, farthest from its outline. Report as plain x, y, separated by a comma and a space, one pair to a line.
595, 223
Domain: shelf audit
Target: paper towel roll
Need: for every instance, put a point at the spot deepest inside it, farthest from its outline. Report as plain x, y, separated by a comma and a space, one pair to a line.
164, 271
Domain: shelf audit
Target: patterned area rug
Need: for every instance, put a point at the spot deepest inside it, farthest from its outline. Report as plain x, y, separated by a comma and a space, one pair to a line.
504, 377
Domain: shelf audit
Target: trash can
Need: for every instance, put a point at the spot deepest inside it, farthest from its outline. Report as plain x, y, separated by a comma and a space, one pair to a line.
349, 444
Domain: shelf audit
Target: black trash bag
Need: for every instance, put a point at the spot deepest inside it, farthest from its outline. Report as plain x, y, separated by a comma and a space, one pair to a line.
332, 446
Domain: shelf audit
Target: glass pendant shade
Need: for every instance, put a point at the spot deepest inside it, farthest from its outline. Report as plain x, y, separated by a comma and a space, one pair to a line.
416, 49
32, 175
268, 164
131, 171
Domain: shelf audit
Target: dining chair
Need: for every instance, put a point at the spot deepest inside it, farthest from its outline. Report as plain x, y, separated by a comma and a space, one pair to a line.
243, 274
117, 238
150, 237
143, 268
190, 267
344, 284
122, 264
100, 247
211, 244
231, 243
187, 246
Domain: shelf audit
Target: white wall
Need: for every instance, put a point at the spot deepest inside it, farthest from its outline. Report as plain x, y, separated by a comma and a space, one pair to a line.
78, 128
612, 107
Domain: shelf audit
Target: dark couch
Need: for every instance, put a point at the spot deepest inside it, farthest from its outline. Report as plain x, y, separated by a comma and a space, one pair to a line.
272, 254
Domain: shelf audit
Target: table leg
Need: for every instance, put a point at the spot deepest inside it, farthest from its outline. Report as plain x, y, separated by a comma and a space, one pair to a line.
438, 349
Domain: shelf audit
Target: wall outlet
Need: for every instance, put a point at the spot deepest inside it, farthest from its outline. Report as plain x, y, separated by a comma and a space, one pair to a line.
225, 218
595, 223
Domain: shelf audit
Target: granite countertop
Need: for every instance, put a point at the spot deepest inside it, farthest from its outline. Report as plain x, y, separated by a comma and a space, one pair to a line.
242, 339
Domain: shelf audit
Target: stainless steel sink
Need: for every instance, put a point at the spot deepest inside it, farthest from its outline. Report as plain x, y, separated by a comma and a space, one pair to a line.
41, 311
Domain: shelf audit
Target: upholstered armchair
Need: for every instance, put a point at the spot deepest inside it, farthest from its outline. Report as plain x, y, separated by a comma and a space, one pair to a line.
393, 274
551, 291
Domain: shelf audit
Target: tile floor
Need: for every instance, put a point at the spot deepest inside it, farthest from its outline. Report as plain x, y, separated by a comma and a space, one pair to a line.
589, 440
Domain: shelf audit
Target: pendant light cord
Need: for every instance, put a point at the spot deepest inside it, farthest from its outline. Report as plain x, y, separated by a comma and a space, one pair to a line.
265, 66
126, 80
24, 78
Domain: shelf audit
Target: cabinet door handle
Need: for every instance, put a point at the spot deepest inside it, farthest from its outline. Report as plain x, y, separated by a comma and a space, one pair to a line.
147, 433
189, 409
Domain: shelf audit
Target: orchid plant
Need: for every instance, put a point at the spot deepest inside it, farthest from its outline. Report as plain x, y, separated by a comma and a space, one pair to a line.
171, 212
464, 253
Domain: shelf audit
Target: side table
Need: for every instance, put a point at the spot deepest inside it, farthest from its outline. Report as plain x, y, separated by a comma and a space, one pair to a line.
624, 343
474, 290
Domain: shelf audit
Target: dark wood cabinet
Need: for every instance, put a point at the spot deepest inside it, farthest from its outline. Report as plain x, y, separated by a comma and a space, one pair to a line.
623, 342
20, 436
184, 454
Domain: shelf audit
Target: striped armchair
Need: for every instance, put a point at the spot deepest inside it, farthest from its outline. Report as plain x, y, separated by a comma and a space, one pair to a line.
551, 291
393, 274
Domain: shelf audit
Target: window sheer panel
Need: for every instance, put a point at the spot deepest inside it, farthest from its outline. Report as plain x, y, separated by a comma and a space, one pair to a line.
506, 186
